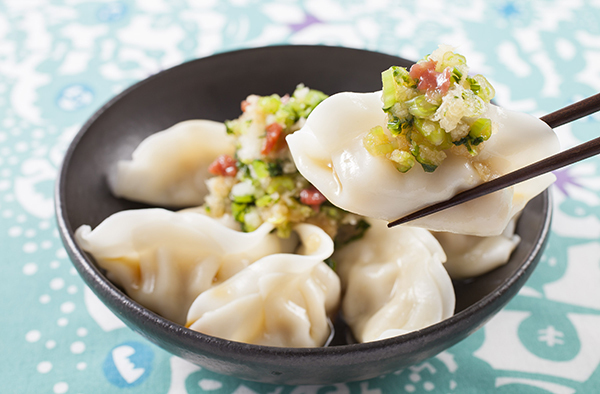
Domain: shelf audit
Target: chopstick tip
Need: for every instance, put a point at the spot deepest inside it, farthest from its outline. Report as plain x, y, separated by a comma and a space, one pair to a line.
397, 222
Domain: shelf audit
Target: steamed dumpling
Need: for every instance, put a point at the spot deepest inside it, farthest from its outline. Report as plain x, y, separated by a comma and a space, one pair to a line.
164, 259
170, 167
329, 152
470, 256
280, 300
394, 282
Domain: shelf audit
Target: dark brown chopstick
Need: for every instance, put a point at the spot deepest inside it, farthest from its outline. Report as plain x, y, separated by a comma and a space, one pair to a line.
580, 152
570, 156
573, 112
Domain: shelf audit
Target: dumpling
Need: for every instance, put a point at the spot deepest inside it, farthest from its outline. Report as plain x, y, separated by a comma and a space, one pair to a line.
280, 300
470, 256
170, 167
163, 259
329, 153
394, 282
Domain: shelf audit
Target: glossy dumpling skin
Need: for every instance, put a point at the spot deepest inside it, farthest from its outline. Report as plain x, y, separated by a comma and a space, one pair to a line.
169, 168
164, 259
470, 256
280, 300
394, 282
328, 151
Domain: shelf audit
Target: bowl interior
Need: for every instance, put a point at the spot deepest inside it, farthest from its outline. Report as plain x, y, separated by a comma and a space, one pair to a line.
212, 88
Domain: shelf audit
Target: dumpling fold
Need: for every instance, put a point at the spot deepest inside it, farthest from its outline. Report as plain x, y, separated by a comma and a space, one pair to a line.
394, 282
329, 152
280, 300
164, 259
470, 255
170, 167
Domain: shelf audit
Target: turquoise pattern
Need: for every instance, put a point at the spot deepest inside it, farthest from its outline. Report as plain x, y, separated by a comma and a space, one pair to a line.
60, 60
128, 364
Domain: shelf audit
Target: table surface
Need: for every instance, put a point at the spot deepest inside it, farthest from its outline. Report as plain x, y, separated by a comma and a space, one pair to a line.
60, 60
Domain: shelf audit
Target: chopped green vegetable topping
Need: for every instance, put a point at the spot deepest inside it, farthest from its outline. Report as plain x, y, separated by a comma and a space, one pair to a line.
486, 91
404, 160
456, 75
450, 59
401, 76
264, 201
427, 165
267, 187
430, 108
377, 142
473, 85
280, 184
237, 211
252, 219
389, 88
243, 199
397, 126
269, 104
351, 232
232, 126
433, 133
261, 169
331, 263
468, 143
274, 169
332, 212
419, 107
480, 131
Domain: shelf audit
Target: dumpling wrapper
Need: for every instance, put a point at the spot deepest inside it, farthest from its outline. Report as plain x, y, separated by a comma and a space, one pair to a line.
280, 300
470, 255
394, 282
329, 152
169, 168
164, 259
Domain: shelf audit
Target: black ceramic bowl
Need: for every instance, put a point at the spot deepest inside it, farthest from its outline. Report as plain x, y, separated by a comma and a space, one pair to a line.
212, 88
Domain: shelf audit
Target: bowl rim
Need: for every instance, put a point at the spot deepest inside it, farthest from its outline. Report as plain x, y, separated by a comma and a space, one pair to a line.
119, 301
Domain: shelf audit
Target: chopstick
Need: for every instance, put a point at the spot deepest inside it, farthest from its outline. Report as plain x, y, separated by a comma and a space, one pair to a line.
580, 152
573, 112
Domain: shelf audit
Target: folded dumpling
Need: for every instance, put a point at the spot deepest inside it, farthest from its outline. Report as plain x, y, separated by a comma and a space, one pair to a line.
470, 255
164, 259
329, 153
393, 282
170, 167
280, 300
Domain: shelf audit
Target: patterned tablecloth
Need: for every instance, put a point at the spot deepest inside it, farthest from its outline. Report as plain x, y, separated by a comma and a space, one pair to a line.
60, 60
